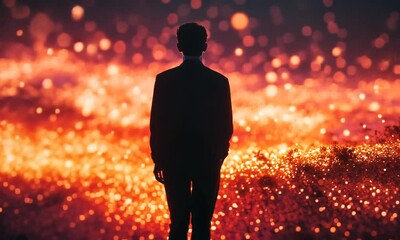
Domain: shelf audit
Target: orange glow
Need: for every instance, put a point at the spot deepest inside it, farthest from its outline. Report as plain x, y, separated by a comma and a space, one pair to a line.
19, 32
47, 83
91, 49
114, 178
137, 58
336, 51
159, 52
276, 63
365, 62
238, 51
248, 41
172, 18
379, 42
239, 21
271, 77
77, 12
195, 4
396, 69
104, 44
294, 60
78, 47
119, 47
64, 40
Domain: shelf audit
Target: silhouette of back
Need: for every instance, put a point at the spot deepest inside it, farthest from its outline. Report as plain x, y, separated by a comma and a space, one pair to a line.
195, 112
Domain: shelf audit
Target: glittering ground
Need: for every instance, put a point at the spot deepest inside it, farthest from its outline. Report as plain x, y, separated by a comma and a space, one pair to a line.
307, 161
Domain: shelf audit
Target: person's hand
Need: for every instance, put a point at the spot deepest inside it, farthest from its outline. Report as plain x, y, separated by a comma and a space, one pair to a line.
159, 174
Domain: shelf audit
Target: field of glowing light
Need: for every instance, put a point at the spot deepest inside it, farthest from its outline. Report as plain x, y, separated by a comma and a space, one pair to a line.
309, 161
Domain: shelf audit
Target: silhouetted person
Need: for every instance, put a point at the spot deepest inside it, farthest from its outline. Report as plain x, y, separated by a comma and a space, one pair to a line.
191, 124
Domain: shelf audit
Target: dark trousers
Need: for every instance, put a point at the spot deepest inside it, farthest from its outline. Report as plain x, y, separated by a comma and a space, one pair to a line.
191, 190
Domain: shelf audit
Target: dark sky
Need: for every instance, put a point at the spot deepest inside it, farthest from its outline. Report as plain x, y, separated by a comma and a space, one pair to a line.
362, 20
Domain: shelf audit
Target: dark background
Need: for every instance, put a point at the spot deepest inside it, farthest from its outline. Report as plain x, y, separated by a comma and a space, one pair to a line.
362, 20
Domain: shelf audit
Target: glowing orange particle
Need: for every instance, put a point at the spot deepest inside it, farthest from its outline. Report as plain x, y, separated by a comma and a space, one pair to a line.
336, 51
346, 132
104, 44
396, 69
172, 18
271, 77
379, 42
195, 4
64, 40
294, 60
78, 47
19, 32
119, 47
276, 63
239, 21
47, 83
365, 61
159, 52
77, 13
248, 41
238, 51
137, 58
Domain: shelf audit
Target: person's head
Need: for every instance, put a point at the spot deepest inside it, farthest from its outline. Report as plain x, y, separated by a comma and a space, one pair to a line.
192, 39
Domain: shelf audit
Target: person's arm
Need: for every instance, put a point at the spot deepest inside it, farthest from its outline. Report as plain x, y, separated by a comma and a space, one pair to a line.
227, 120
156, 131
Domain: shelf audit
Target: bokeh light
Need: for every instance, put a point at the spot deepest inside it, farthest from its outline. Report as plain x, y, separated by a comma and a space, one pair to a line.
239, 21
315, 98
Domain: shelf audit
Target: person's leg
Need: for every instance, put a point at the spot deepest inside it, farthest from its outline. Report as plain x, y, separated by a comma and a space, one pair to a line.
177, 188
204, 196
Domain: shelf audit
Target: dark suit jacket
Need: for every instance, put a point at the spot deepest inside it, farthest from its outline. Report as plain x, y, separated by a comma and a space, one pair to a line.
191, 115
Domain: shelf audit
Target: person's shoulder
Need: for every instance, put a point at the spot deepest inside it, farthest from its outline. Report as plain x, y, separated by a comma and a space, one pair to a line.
216, 75
167, 73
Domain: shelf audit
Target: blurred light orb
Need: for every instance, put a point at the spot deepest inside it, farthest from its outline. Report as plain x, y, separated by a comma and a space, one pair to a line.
47, 83
238, 52
336, 51
271, 77
195, 4
239, 21
104, 44
396, 69
19, 32
137, 58
276, 63
77, 13
159, 52
119, 47
365, 62
78, 47
346, 132
374, 106
248, 41
294, 60
64, 40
